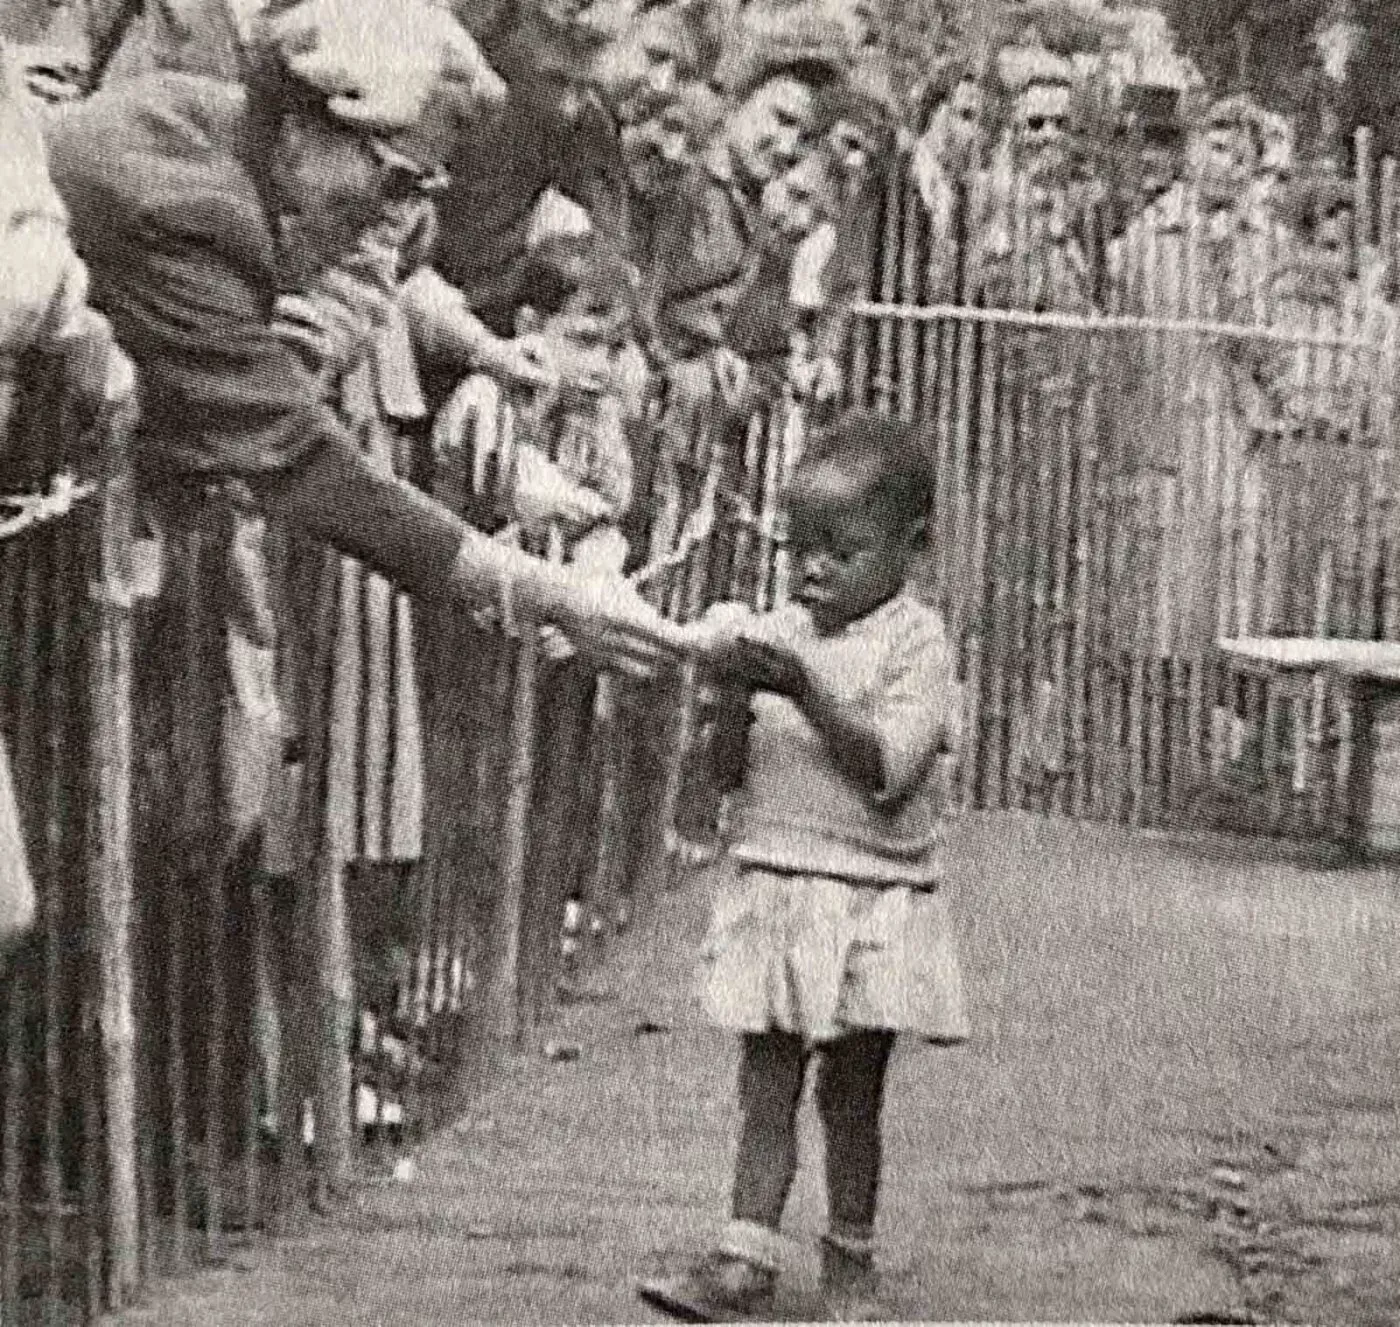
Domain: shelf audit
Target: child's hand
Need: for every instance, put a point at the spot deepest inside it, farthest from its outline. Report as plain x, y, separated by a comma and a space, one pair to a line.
770, 666
543, 494
715, 637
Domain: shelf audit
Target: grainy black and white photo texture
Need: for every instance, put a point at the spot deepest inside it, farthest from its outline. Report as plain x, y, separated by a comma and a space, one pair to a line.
699, 661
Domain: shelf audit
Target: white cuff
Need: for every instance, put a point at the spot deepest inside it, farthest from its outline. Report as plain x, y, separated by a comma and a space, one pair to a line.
755, 1244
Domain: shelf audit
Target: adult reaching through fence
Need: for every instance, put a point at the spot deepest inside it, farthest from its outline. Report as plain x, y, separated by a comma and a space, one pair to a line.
197, 203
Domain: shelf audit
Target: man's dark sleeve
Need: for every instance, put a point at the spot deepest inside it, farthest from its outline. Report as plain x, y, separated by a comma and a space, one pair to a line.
221, 392
227, 396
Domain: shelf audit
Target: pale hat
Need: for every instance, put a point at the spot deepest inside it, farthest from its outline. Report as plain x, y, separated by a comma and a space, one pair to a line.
396, 69
765, 44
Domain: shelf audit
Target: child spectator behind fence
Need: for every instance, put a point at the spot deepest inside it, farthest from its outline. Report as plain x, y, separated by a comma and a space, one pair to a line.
831, 935
573, 443
571, 440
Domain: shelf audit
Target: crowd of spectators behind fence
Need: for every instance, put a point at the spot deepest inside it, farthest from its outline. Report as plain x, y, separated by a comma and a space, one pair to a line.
651, 216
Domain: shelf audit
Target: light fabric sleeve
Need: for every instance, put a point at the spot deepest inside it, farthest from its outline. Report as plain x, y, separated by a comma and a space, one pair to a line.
916, 711
17, 904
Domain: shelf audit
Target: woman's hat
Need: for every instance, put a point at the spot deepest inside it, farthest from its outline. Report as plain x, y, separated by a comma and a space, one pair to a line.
1067, 27
766, 44
1239, 111
1021, 67
867, 97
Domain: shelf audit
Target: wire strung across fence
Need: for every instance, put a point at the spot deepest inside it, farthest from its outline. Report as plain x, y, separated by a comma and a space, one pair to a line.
1202, 451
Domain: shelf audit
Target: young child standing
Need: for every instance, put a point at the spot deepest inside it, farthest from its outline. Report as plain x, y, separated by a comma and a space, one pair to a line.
831, 937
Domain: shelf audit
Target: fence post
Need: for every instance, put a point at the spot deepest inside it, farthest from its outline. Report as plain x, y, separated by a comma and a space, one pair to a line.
333, 1021
502, 948
109, 866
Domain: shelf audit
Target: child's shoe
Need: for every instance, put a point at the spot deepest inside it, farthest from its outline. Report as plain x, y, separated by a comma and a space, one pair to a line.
721, 1287
850, 1292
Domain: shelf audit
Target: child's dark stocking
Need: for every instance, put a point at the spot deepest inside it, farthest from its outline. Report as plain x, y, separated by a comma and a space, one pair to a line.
771, 1070
850, 1094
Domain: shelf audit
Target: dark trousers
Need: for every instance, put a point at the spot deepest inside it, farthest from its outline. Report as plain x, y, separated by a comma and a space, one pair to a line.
850, 1092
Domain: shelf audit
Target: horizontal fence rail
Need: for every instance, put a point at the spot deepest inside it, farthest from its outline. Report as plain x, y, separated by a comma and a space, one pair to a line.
1174, 450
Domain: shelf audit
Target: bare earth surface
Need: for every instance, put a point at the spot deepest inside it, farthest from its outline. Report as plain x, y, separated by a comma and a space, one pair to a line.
1181, 1100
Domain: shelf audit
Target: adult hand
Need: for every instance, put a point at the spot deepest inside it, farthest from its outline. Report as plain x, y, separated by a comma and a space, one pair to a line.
817, 380
333, 320
731, 372
631, 382
609, 621
543, 494
602, 551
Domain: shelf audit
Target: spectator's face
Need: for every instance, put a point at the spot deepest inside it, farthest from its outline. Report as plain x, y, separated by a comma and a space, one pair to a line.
861, 22
329, 189
1043, 122
766, 132
658, 150
791, 205
1332, 231
583, 338
852, 148
554, 66
1158, 172
1228, 162
639, 72
956, 127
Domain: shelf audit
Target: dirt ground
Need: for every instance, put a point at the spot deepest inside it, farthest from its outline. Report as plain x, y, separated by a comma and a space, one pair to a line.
1180, 1103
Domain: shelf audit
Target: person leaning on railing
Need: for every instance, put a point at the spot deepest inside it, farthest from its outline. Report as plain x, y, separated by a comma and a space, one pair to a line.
708, 244
196, 202
43, 311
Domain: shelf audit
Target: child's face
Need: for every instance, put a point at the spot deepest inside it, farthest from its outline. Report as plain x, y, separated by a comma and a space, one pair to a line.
850, 554
852, 147
638, 71
789, 206
584, 337
766, 131
658, 149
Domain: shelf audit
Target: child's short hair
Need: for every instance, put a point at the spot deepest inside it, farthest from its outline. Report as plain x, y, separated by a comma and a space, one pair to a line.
881, 453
